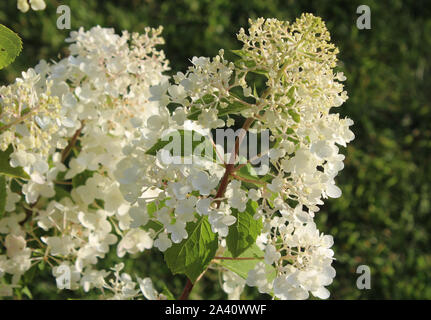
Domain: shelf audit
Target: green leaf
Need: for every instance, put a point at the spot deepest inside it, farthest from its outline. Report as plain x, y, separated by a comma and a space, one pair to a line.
295, 116
41, 265
249, 173
232, 108
60, 193
242, 267
271, 199
291, 95
197, 106
186, 135
30, 274
240, 63
2, 194
10, 46
15, 186
5, 167
152, 207
243, 233
193, 255
260, 71
241, 53
81, 178
207, 99
26, 291
167, 293
155, 225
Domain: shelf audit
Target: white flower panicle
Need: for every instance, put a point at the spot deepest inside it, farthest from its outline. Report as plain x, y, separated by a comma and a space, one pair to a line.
65, 125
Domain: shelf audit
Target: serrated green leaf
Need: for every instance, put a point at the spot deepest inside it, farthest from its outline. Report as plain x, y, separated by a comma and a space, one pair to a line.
10, 46
243, 233
3, 194
193, 255
5, 167
242, 267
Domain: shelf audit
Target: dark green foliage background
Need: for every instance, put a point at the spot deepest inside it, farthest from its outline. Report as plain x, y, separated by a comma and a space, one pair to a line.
383, 218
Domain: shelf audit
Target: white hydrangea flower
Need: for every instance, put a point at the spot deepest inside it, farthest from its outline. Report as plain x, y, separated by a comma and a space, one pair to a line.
163, 242
271, 254
257, 277
233, 285
147, 289
38, 4
178, 231
135, 240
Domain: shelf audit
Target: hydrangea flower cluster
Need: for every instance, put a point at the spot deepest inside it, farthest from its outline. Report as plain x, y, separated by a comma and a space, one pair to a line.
65, 125
89, 133
300, 89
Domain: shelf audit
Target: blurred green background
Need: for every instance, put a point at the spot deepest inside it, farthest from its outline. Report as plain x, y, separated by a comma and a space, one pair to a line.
383, 218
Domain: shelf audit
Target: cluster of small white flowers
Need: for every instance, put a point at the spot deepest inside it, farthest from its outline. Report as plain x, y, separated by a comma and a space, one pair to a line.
298, 59
83, 128
296, 109
65, 124
301, 88
36, 5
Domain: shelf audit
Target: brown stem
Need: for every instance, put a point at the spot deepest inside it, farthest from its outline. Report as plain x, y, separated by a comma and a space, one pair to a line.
222, 189
239, 258
231, 165
71, 144
19, 119
187, 289
28, 212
